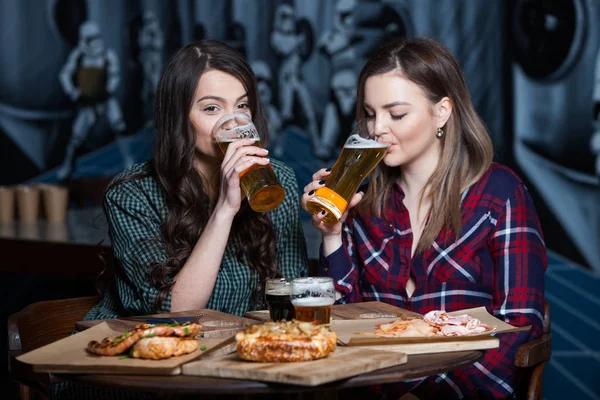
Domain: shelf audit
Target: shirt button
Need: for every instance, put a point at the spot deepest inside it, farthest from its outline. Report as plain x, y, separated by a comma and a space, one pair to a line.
326, 269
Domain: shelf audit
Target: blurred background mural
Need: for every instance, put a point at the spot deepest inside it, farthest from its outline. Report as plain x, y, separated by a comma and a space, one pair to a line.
77, 81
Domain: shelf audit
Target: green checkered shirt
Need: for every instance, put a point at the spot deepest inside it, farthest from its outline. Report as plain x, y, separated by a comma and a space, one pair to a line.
136, 210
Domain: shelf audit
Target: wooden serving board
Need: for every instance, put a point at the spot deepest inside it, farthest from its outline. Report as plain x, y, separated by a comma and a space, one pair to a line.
360, 332
69, 355
365, 310
439, 347
215, 324
343, 363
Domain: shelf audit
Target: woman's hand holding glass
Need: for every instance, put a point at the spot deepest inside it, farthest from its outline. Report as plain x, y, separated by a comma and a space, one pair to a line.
240, 155
326, 229
332, 233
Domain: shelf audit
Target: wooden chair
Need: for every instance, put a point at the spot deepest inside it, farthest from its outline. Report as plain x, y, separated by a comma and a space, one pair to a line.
35, 326
534, 356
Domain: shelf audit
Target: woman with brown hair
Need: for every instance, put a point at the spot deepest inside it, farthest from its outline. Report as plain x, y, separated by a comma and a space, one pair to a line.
181, 230
439, 226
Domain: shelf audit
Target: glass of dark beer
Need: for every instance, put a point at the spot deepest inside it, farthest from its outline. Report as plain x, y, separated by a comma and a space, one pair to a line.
277, 296
312, 299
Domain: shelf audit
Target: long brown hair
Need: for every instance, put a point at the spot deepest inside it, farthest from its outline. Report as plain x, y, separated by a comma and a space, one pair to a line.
184, 190
466, 148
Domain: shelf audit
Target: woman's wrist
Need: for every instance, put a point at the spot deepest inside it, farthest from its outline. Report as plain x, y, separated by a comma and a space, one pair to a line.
331, 244
223, 214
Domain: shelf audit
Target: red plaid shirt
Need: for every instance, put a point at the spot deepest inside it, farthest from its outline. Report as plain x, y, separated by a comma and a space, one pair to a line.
498, 262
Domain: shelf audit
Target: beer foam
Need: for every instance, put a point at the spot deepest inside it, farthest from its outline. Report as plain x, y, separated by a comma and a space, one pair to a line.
313, 301
357, 142
231, 140
278, 292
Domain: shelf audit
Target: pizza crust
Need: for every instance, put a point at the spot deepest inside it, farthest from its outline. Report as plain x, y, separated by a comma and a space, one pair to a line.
285, 341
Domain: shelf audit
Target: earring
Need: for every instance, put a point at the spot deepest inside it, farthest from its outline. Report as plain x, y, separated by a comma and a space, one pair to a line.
439, 133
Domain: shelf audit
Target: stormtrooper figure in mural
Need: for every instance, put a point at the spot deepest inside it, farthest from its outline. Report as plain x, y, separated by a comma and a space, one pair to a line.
264, 79
90, 77
339, 113
339, 46
595, 143
291, 44
339, 43
150, 42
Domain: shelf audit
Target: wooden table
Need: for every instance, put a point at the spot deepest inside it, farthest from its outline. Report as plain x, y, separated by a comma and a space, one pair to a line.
416, 366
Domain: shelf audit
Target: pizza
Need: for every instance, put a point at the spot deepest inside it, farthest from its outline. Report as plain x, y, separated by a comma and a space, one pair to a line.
406, 327
168, 340
285, 341
434, 323
456, 325
161, 347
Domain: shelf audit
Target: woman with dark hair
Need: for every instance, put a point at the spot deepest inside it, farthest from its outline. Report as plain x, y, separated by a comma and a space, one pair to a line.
181, 230
439, 226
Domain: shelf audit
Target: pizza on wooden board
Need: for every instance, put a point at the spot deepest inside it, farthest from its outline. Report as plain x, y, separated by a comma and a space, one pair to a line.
285, 341
150, 341
434, 323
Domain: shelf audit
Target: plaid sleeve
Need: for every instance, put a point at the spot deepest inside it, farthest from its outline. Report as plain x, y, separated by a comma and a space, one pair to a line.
519, 254
291, 245
135, 236
344, 266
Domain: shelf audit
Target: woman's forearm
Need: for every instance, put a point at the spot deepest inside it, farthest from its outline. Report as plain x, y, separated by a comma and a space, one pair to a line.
195, 281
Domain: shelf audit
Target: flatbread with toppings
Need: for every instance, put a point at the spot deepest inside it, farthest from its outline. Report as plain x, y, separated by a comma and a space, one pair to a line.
169, 340
161, 347
406, 327
285, 341
456, 325
434, 323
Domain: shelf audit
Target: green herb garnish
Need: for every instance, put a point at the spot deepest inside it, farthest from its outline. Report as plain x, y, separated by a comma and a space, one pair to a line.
203, 348
125, 356
185, 331
148, 335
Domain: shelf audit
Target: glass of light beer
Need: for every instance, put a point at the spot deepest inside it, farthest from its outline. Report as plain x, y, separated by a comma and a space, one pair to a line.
277, 296
360, 155
259, 182
312, 299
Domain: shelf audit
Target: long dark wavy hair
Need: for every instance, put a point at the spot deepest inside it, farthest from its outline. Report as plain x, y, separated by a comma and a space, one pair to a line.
184, 190
466, 147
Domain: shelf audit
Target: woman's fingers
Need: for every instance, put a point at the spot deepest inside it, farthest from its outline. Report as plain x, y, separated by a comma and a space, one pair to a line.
314, 185
243, 164
353, 202
243, 154
241, 148
321, 174
355, 199
317, 220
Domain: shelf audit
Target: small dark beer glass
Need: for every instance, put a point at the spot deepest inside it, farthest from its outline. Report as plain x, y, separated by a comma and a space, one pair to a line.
277, 296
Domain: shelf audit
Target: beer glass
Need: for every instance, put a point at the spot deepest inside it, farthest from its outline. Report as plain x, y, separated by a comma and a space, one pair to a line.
360, 155
312, 299
277, 296
259, 182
